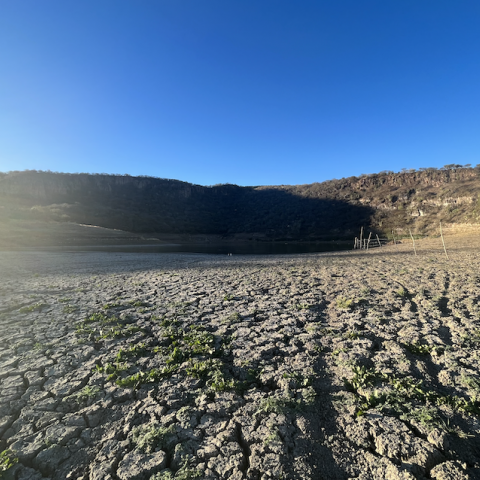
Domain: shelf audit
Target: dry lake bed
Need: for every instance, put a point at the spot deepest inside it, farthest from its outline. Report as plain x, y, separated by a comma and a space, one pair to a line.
180, 366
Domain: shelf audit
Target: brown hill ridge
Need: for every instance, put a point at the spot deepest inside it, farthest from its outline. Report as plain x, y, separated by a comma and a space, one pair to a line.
416, 200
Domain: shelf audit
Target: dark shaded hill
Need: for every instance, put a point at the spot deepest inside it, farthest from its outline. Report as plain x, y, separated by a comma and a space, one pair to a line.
333, 209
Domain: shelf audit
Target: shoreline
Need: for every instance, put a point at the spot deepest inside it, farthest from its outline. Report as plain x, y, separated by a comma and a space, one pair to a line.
39, 234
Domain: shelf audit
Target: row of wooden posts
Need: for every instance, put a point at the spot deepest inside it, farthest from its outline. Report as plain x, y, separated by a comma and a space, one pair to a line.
366, 243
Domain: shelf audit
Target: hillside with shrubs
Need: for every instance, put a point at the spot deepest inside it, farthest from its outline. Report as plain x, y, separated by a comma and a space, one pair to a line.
415, 200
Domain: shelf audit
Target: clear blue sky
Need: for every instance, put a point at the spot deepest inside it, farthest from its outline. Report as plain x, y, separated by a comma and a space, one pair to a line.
251, 92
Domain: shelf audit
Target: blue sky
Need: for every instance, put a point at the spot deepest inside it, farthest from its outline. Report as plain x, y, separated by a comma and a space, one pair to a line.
252, 92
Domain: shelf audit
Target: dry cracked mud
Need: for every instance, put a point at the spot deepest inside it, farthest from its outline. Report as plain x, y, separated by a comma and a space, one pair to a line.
180, 366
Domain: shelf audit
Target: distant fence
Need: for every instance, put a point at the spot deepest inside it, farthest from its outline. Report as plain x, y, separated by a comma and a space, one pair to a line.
363, 243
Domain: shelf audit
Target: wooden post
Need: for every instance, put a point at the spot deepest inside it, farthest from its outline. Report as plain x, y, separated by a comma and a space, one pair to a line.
368, 243
361, 235
378, 240
413, 240
355, 244
443, 241
394, 241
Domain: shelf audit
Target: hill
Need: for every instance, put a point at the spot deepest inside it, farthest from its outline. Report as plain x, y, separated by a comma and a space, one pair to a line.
382, 202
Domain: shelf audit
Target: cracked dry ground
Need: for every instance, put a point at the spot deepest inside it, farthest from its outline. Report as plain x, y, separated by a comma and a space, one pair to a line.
326, 366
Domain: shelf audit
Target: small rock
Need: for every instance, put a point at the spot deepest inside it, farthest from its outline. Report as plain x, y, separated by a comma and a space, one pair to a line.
50, 458
94, 415
74, 421
439, 439
207, 452
139, 466
60, 434
26, 473
449, 471
102, 471
27, 448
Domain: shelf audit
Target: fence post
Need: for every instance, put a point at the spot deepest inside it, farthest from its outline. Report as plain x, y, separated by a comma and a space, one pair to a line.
443, 241
413, 240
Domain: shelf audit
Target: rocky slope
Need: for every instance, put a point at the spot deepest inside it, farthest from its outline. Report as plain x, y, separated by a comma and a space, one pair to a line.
416, 200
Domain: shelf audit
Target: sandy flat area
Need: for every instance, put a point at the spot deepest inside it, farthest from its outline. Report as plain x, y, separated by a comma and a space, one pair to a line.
320, 366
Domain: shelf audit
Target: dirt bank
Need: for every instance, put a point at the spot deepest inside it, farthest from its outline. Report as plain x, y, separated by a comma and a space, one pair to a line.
323, 366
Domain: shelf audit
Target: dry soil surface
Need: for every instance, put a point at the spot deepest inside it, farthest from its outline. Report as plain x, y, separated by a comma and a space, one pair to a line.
160, 366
